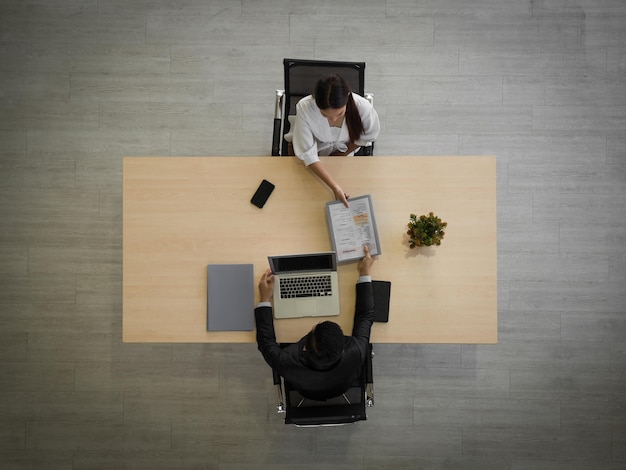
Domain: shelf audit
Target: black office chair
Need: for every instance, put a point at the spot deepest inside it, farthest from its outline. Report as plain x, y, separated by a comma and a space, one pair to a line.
347, 408
300, 79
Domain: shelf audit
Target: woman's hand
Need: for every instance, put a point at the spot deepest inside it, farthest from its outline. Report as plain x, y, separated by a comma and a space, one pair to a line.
341, 196
319, 169
351, 148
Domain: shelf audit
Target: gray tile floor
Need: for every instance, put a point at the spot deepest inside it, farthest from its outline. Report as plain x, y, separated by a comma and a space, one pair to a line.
541, 84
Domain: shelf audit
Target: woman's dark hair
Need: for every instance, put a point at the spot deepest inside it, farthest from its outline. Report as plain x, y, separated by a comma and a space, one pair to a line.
333, 92
325, 341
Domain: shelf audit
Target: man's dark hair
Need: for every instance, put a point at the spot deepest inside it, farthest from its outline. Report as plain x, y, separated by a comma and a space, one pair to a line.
325, 342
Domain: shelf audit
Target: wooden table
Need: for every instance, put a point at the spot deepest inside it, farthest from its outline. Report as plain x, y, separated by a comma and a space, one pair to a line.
182, 213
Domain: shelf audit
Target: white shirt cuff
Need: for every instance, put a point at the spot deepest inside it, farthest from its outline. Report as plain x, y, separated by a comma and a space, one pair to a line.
309, 158
264, 304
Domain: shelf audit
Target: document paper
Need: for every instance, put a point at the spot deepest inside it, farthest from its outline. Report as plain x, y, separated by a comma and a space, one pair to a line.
352, 227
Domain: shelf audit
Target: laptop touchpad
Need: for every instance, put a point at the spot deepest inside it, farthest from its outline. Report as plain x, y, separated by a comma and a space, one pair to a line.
306, 307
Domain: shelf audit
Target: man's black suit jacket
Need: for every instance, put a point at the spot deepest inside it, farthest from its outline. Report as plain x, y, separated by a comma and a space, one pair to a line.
319, 383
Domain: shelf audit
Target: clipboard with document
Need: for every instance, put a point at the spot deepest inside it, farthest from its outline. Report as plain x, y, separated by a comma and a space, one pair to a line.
351, 228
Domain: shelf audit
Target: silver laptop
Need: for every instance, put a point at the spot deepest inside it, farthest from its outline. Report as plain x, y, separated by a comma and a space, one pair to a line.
306, 285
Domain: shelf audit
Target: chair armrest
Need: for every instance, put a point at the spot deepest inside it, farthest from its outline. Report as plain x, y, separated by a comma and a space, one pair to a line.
278, 122
369, 368
367, 150
369, 377
278, 391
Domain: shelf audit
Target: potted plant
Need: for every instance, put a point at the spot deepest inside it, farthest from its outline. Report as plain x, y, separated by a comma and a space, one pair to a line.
425, 230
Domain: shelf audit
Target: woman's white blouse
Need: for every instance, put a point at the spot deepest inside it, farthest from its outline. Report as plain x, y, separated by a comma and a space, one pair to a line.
312, 135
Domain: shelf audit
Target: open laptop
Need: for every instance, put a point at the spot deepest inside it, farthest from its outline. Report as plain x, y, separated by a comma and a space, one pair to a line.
306, 285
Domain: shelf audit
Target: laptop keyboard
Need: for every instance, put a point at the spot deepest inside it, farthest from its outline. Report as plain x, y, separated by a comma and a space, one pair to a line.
305, 286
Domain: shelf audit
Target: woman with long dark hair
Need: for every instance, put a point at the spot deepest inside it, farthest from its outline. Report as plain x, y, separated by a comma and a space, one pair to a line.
332, 121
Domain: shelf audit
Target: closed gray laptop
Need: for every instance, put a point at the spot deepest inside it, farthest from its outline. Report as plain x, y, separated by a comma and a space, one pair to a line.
306, 285
230, 297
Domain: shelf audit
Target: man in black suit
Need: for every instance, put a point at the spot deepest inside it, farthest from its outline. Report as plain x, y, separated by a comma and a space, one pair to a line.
324, 363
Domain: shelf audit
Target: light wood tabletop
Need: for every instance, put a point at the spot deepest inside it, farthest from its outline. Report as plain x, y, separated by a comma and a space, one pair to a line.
183, 213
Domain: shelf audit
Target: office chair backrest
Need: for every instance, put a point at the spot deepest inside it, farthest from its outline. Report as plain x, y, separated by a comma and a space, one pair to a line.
302, 75
347, 408
344, 409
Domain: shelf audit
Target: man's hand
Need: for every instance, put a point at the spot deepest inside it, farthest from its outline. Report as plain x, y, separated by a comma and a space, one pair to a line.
266, 286
365, 264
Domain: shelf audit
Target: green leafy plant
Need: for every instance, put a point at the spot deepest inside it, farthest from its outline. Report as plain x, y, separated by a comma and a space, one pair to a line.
425, 230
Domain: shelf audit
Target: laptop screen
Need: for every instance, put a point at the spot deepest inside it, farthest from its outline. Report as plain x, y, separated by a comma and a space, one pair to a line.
304, 262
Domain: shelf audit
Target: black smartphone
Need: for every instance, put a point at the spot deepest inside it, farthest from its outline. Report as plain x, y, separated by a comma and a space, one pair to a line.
262, 194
